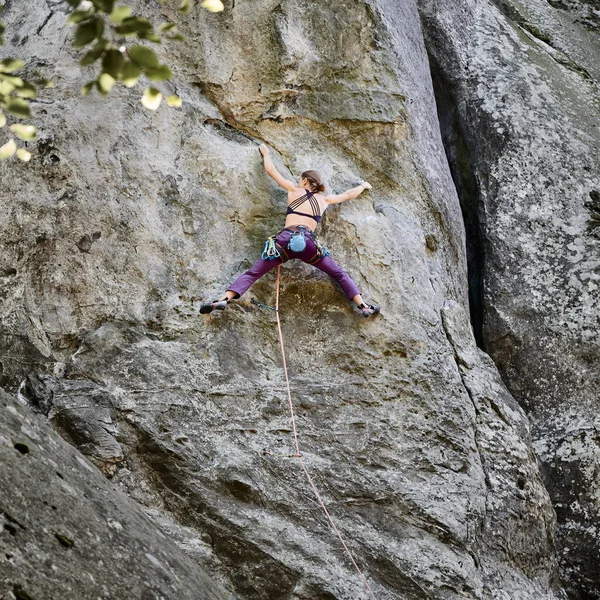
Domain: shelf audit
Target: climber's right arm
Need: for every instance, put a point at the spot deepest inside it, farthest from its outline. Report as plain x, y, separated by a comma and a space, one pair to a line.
348, 194
286, 184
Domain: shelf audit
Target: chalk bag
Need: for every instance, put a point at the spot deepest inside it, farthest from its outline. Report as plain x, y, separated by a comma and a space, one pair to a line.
297, 242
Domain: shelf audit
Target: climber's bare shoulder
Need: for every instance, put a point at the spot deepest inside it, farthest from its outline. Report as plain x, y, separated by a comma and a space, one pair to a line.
295, 192
300, 191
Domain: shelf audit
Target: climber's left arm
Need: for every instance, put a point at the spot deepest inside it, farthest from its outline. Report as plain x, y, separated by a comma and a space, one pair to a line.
270, 168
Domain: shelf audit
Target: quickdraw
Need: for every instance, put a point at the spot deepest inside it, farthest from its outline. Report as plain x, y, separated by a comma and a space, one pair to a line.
261, 305
271, 252
322, 250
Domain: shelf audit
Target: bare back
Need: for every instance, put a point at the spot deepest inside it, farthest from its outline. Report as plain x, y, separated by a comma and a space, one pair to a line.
313, 202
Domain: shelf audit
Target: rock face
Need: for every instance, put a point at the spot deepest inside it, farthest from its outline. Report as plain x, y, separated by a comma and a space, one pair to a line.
67, 533
519, 98
124, 216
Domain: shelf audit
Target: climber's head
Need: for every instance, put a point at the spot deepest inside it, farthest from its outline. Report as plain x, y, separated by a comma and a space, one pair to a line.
312, 180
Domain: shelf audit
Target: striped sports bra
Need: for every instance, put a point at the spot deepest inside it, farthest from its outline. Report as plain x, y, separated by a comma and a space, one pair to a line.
314, 205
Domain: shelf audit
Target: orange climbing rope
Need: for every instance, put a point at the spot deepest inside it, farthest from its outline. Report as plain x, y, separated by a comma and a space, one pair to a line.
298, 455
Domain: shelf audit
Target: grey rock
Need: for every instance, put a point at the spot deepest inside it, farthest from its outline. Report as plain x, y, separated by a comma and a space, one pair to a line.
418, 451
68, 533
516, 499
82, 413
518, 87
85, 242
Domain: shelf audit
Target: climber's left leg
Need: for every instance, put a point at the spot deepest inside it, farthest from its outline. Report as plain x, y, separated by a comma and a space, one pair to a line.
329, 266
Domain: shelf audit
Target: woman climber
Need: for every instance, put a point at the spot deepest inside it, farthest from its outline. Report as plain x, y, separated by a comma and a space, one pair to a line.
297, 239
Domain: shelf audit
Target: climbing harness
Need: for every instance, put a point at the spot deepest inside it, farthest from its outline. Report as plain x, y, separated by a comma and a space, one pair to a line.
303, 231
273, 250
298, 455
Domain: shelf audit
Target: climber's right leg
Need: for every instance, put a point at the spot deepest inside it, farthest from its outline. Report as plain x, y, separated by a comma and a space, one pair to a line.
241, 284
245, 280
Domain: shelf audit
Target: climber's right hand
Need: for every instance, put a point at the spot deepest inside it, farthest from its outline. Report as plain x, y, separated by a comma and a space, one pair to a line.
263, 150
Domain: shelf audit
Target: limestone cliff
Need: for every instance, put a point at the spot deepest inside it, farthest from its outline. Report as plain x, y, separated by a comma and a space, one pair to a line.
520, 106
124, 217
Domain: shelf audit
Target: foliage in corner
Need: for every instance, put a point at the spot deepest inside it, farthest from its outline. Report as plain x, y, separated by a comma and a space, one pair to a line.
103, 29
14, 95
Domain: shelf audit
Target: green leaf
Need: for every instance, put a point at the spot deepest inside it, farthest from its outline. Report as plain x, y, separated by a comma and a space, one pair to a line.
2, 119
88, 32
87, 88
99, 28
119, 13
212, 5
105, 83
27, 91
151, 98
130, 73
166, 27
6, 88
18, 107
85, 34
160, 73
173, 101
178, 37
143, 56
23, 155
112, 63
133, 25
95, 53
150, 36
8, 65
23, 132
15, 81
77, 16
105, 5
8, 150
186, 6
44, 83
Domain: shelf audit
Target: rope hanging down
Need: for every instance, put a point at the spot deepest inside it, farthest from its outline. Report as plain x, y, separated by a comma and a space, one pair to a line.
298, 455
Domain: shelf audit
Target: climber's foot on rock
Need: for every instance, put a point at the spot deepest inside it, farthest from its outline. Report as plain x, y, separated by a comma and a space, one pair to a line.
369, 310
214, 305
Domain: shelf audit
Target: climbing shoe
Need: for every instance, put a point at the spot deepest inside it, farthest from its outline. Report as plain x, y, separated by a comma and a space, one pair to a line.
214, 305
368, 310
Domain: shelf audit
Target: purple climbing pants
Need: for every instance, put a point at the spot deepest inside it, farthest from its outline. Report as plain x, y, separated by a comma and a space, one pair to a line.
325, 264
